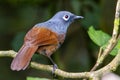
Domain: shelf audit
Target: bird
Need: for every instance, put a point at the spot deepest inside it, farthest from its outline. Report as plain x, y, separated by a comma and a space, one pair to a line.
44, 38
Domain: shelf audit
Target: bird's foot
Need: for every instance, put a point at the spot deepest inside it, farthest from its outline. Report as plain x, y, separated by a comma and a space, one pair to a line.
54, 68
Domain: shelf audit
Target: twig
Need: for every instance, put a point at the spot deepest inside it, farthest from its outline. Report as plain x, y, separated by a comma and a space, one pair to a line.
113, 40
99, 54
92, 75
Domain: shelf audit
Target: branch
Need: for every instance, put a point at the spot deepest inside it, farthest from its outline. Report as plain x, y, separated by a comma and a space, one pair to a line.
93, 75
112, 42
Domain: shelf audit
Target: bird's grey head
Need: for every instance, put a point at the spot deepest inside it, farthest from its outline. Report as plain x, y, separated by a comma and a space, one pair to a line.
61, 21
65, 16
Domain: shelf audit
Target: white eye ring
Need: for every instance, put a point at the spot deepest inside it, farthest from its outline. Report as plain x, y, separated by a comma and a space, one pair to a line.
66, 17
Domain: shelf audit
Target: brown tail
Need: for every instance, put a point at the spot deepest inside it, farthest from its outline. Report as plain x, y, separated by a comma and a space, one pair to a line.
22, 59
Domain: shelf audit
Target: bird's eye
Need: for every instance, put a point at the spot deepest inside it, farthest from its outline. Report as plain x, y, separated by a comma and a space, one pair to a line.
66, 17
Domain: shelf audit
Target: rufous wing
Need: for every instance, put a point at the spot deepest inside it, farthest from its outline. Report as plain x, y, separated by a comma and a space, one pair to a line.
41, 36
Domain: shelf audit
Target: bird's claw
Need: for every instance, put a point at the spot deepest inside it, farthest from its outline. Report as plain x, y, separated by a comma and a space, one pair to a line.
54, 68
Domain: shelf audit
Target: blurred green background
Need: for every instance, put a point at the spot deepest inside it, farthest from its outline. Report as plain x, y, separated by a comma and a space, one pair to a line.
77, 54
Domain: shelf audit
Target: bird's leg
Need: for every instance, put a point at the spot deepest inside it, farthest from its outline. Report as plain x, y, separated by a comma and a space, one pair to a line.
54, 64
47, 51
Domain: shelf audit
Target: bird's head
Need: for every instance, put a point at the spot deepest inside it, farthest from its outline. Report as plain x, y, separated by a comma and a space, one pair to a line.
66, 17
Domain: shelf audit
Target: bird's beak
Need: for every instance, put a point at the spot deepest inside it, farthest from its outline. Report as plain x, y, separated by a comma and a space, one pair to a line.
78, 17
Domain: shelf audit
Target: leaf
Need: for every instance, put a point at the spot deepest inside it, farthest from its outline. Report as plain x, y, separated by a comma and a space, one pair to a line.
98, 37
101, 39
36, 78
115, 49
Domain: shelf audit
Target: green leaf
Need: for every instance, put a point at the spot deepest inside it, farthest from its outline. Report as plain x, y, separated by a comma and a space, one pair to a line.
36, 78
115, 49
101, 39
98, 37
